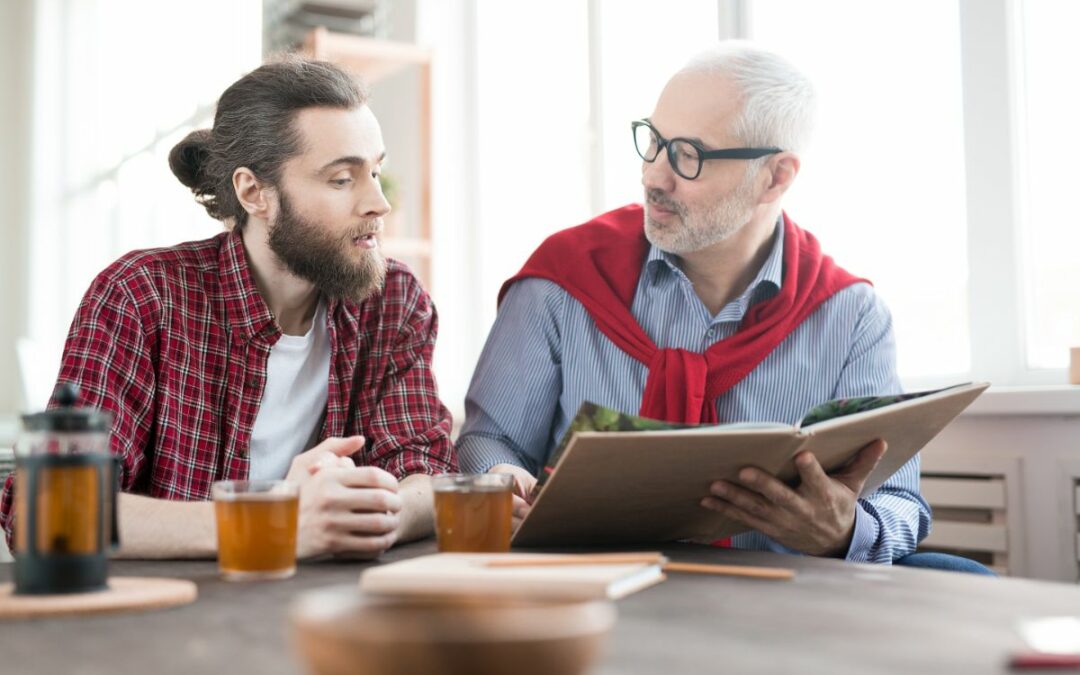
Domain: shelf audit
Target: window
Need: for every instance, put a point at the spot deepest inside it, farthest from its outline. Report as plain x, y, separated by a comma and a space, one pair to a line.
532, 108
638, 45
1050, 236
118, 83
883, 183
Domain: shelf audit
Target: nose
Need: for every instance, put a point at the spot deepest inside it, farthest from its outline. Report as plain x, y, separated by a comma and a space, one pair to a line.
658, 173
373, 203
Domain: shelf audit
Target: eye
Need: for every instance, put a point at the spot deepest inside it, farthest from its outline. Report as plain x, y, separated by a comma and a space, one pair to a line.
341, 182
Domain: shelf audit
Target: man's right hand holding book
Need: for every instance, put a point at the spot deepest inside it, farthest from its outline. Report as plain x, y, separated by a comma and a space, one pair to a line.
816, 517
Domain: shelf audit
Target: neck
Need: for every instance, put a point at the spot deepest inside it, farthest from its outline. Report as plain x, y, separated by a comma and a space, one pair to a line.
723, 271
290, 299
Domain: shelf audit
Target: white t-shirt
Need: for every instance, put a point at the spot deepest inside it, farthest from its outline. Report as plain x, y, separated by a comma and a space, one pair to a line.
294, 400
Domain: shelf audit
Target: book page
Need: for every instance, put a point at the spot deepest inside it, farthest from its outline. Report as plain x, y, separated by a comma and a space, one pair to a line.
595, 417
841, 407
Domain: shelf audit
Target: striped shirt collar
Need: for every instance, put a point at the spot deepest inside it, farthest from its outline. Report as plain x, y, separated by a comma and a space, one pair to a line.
661, 265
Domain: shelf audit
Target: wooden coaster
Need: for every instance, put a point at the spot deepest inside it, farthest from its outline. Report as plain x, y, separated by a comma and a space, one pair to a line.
123, 594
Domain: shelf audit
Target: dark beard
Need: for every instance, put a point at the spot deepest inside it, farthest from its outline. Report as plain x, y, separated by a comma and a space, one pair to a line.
311, 254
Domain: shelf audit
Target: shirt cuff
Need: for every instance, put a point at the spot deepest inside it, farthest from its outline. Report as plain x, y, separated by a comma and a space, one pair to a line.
477, 453
864, 537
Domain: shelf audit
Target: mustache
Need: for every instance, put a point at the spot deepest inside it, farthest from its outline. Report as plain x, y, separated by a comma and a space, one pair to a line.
657, 197
373, 226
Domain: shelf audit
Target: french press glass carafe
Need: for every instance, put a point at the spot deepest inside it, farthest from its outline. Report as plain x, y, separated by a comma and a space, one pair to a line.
65, 498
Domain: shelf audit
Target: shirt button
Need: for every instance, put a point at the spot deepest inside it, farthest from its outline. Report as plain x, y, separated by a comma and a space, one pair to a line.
252, 383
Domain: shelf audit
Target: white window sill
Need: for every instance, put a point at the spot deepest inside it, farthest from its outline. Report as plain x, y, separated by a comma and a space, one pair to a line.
1057, 400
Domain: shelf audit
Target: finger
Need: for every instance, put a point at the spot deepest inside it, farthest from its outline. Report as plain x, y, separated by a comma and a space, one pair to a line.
856, 473
520, 490
729, 510
341, 447
364, 499
364, 523
521, 507
523, 482
363, 544
813, 477
314, 460
771, 488
330, 461
745, 499
366, 477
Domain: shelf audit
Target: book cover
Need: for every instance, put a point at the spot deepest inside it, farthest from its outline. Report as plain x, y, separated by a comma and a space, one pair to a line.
620, 479
593, 417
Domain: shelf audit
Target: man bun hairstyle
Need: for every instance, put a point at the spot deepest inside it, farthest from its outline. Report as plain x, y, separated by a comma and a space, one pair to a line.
254, 128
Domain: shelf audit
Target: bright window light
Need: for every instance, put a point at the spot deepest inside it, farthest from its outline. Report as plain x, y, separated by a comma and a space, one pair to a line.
883, 185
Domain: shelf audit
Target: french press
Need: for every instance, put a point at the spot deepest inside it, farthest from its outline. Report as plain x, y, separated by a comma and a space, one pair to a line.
65, 498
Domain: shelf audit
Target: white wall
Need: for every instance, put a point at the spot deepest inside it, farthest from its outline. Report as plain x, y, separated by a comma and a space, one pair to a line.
16, 49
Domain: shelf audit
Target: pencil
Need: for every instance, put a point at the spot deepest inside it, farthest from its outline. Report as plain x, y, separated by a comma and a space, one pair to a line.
731, 570
645, 558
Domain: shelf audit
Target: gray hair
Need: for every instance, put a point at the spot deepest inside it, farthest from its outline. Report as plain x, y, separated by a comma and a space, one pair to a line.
778, 101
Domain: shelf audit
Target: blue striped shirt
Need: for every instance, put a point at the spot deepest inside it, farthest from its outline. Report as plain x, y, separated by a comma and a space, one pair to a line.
545, 356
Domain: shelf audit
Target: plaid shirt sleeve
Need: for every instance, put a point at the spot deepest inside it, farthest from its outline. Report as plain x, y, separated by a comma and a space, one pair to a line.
108, 357
409, 427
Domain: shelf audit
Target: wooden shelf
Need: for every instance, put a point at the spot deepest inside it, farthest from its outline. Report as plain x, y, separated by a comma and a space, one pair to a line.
372, 58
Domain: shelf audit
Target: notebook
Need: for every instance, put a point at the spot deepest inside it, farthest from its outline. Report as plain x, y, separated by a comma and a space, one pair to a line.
468, 574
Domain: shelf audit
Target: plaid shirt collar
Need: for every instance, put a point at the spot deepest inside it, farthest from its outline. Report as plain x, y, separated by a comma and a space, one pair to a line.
247, 311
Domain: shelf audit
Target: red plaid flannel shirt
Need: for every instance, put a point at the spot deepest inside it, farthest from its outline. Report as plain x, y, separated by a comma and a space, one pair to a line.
175, 341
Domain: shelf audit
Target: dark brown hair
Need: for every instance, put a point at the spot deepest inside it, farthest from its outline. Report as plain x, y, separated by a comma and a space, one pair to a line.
253, 128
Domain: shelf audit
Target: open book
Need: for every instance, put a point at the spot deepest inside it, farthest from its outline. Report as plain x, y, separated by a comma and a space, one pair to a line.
473, 574
617, 479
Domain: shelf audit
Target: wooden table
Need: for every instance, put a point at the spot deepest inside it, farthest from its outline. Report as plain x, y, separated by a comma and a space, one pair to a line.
835, 617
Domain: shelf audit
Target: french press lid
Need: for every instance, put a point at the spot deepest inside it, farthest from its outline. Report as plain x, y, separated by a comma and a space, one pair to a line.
66, 417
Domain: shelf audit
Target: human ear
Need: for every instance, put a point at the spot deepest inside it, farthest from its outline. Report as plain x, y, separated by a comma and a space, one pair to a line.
251, 193
781, 169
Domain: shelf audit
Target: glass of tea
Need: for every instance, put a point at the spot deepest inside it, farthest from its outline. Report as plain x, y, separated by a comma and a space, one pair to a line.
256, 528
473, 513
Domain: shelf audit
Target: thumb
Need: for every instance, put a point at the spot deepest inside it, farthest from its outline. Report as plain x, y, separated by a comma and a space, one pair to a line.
332, 448
856, 473
342, 447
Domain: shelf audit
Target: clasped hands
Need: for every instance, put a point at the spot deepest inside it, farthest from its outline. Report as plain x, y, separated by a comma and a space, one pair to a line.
344, 509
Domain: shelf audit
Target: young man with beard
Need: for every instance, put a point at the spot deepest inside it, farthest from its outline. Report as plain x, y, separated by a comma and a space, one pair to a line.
285, 347
708, 304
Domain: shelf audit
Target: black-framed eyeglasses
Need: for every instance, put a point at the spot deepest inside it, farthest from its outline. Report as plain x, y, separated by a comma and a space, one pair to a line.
684, 155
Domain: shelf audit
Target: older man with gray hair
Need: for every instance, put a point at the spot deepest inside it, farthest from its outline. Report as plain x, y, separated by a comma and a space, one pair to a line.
705, 304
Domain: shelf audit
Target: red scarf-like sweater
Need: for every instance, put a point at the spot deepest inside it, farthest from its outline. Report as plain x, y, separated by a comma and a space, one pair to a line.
599, 263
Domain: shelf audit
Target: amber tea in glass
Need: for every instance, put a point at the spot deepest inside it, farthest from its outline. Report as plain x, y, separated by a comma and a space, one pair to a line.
256, 528
473, 513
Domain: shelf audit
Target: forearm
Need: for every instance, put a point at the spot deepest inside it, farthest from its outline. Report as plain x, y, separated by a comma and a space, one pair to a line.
159, 528
478, 452
417, 512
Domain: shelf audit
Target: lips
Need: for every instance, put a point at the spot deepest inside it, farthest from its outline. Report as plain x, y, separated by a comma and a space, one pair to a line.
660, 205
366, 241
656, 210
